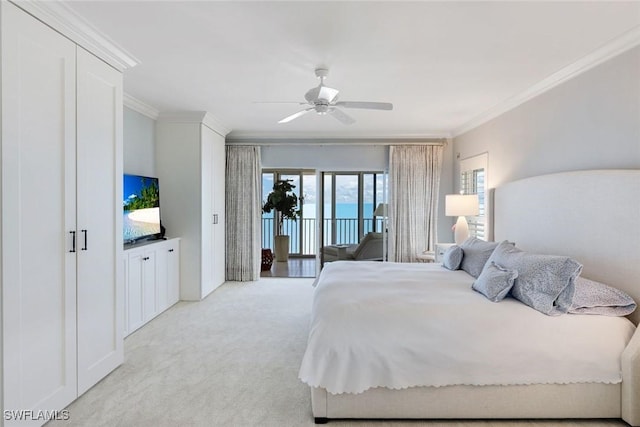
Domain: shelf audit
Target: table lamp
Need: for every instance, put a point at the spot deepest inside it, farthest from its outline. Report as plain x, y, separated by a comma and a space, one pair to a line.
461, 205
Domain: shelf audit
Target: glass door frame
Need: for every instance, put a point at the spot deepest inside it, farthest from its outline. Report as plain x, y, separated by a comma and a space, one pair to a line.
277, 175
321, 198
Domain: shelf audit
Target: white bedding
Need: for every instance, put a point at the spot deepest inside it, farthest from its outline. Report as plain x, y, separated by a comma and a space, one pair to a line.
405, 325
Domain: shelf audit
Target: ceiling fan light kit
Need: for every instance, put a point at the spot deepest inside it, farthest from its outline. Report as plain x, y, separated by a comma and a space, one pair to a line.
324, 100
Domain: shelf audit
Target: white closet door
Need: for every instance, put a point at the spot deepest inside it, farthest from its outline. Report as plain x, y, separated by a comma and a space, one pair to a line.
218, 197
38, 214
207, 142
99, 187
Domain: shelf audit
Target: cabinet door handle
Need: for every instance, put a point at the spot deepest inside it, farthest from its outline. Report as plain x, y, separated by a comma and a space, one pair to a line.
170, 250
145, 258
84, 248
215, 218
73, 241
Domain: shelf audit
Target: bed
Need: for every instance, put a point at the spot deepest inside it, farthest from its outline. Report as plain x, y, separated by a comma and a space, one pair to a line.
591, 216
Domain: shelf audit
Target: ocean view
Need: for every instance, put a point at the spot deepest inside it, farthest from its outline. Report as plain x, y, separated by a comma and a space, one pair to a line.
345, 224
343, 210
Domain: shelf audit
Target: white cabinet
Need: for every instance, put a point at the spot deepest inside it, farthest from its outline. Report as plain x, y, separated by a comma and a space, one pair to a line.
152, 281
190, 162
168, 274
61, 219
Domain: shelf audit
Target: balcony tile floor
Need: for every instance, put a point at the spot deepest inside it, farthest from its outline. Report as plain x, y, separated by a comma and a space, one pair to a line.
295, 267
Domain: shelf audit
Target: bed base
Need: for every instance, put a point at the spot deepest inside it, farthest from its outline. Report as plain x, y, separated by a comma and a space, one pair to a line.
539, 401
494, 402
473, 402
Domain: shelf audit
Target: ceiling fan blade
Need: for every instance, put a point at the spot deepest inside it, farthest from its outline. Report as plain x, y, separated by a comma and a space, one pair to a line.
280, 102
342, 116
296, 115
321, 93
367, 105
328, 93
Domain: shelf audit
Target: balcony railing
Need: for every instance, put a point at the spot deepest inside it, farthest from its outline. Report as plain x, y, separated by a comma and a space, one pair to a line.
305, 244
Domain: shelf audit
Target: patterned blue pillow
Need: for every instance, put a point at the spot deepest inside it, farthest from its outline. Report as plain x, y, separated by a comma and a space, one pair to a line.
476, 253
593, 297
452, 258
545, 282
495, 281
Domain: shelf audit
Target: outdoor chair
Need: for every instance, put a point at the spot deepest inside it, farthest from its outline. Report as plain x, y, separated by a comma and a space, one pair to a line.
370, 248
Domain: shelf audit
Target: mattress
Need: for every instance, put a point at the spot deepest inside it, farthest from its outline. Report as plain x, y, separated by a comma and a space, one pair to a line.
397, 326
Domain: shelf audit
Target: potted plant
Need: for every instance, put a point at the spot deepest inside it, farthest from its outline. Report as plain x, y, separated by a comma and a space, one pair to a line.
284, 202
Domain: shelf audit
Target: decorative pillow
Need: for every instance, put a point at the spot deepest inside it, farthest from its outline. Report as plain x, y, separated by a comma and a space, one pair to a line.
593, 297
495, 281
452, 258
545, 282
476, 252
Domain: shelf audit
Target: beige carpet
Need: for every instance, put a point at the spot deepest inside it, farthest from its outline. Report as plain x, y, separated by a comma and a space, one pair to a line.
230, 360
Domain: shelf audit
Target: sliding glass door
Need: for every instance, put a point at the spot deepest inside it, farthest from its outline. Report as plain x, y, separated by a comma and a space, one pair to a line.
302, 232
349, 202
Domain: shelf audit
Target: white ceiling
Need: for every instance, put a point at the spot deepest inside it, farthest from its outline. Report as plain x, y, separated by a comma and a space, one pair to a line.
441, 64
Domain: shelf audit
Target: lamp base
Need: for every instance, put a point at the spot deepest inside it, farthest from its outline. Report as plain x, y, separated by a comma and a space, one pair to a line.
462, 230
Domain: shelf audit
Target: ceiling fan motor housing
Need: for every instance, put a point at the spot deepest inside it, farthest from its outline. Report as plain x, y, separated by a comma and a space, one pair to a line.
322, 108
324, 100
321, 73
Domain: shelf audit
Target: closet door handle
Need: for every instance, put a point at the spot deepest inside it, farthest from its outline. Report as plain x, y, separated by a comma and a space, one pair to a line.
84, 248
73, 241
215, 218
145, 258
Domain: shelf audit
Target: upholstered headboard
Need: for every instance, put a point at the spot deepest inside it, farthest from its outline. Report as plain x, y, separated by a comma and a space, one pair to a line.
592, 216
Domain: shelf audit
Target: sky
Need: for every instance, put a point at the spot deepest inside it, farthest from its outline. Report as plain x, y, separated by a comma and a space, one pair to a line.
347, 188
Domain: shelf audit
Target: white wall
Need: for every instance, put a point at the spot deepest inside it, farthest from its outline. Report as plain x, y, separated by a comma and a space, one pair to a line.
589, 122
326, 157
139, 144
356, 157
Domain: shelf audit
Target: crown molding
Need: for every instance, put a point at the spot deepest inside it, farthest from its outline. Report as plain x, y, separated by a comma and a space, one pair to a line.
62, 18
202, 117
617, 46
338, 141
290, 137
140, 107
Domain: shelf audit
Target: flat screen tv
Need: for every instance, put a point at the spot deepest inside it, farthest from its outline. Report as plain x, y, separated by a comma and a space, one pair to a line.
141, 206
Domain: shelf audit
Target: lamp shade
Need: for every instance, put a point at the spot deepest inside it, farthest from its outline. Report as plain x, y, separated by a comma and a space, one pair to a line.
381, 210
461, 205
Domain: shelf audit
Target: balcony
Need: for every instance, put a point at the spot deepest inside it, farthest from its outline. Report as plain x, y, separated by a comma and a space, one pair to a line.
302, 240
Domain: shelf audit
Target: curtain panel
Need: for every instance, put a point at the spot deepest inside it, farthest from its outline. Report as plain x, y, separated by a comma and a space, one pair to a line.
243, 213
414, 183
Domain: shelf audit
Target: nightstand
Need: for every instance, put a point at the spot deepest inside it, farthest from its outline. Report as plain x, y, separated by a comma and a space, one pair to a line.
426, 256
441, 248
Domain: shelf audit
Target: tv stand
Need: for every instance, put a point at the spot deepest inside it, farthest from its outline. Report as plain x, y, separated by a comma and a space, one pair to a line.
131, 244
152, 280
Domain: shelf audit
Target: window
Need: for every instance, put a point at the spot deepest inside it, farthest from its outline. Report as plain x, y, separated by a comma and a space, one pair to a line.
350, 199
473, 173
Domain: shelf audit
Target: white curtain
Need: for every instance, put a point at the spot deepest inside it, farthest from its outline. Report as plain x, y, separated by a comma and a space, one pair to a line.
414, 182
243, 213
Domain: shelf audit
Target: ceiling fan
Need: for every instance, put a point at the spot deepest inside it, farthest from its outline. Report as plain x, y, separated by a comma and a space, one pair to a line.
324, 100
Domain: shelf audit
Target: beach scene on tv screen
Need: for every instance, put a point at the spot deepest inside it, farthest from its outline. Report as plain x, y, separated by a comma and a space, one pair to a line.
141, 207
